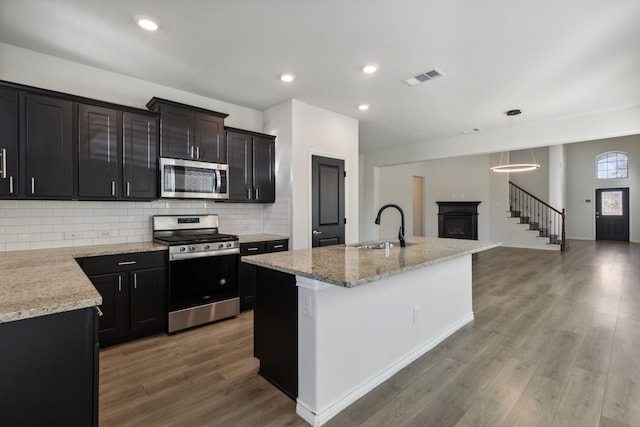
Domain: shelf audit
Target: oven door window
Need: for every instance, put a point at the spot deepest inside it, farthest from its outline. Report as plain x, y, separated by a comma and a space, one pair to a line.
202, 281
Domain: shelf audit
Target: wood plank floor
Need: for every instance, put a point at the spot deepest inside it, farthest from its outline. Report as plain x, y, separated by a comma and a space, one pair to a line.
555, 342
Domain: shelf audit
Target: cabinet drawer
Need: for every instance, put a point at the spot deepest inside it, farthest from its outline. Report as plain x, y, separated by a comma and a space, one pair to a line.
252, 248
123, 262
277, 246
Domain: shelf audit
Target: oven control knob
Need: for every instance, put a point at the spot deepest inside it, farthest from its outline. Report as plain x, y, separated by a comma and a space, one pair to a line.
221, 245
182, 249
223, 281
207, 247
229, 245
192, 248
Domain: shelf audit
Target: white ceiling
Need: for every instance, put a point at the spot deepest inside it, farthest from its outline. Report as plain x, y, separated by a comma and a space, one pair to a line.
552, 59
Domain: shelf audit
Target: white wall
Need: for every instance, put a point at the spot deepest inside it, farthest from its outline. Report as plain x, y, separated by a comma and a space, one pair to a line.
557, 176
46, 224
582, 183
319, 132
536, 181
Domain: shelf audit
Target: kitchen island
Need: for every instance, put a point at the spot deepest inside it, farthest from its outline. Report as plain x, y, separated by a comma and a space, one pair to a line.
362, 315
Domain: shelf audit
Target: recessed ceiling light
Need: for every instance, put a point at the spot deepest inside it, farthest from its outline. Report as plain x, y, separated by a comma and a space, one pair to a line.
363, 107
287, 77
370, 68
147, 23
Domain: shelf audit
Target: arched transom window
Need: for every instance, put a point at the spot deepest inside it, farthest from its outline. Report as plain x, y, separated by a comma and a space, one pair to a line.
612, 165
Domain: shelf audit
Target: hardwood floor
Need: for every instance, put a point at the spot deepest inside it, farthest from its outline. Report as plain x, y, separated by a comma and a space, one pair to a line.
555, 342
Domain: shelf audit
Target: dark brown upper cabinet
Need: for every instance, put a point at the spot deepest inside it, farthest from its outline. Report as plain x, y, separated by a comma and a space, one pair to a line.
8, 142
251, 159
139, 156
99, 156
190, 133
47, 148
117, 154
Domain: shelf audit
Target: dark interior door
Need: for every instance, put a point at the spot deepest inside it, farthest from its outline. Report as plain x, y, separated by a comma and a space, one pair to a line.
612, 214
327, 201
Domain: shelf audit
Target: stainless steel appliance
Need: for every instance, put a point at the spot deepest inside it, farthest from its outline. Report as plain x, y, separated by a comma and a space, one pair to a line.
186, 179
203, 269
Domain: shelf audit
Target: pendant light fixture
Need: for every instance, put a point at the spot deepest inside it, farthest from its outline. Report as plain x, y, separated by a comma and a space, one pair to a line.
515, 167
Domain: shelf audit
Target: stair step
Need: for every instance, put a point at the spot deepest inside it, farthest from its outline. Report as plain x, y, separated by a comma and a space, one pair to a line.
524, 220
515, 214
534, 226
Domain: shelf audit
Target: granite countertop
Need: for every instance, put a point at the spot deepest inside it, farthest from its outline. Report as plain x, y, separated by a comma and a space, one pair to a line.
253, 238
348, 266
47, 281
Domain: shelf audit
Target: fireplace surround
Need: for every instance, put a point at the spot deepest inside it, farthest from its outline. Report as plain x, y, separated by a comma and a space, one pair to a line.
458, 220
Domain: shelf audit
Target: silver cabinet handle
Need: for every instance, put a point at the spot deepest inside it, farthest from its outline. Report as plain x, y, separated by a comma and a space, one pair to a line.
113, 188
135, 280
127, 262
257, 194
11, 184
252, 249
191, 151
249, 193
316, 232
278, 246
197, 152
119, 283
128, 188
33, 185
100, 313
3, 172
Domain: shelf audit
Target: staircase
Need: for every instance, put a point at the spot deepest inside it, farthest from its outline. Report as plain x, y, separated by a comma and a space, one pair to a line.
537, 215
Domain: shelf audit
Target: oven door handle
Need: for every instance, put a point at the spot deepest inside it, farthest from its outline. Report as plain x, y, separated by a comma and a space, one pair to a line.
190, 255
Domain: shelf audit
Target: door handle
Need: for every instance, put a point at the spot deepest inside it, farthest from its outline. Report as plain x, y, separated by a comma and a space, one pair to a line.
316, 232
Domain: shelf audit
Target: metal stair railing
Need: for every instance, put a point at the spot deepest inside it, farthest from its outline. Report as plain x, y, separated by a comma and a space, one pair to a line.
547, 220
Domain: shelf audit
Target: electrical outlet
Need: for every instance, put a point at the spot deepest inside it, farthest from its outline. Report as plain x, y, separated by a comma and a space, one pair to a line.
416, 314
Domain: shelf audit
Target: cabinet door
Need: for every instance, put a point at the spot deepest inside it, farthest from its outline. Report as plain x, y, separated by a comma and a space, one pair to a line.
240, 164
264, 176
98, 153
139, 157
247, 275
177, 134
209, 139
48, 148
8, 142
115, 311
148, 299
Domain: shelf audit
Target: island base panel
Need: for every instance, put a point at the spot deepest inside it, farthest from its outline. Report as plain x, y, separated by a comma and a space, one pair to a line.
276, 329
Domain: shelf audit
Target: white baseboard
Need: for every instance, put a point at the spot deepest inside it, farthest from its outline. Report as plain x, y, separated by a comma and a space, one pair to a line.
318, 419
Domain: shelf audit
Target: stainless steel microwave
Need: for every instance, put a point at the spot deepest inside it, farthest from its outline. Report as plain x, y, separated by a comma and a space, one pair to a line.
186, 179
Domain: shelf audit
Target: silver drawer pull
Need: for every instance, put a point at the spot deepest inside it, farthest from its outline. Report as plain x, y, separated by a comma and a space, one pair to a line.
278, 246
253, 249
127, 262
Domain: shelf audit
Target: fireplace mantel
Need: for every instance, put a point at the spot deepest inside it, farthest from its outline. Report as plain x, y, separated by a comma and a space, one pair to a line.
458, 220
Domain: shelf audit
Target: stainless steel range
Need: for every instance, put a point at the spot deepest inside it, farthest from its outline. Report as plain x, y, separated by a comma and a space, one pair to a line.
203, 269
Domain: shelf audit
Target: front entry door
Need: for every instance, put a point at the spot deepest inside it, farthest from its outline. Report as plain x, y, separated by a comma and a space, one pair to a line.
612, 214
327, 201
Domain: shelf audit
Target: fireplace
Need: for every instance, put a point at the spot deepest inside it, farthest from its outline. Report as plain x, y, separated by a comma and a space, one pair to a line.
458, 220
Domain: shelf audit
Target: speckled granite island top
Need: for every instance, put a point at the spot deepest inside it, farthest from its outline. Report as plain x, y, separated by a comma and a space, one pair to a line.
40, 282
348, 266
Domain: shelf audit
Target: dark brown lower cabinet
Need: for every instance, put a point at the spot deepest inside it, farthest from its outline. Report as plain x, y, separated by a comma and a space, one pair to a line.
134, 294
246, 273
275, 330
49, 370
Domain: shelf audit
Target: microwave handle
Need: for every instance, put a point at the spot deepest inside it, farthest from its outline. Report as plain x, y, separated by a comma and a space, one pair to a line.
218, 180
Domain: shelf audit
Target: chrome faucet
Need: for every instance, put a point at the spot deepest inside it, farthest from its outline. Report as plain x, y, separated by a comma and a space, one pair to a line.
401, 231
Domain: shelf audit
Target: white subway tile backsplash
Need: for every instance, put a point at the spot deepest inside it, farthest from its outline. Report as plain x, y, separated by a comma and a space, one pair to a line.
31, 224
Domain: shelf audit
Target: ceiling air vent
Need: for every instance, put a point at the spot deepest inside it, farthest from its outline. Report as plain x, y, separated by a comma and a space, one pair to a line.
423, 77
